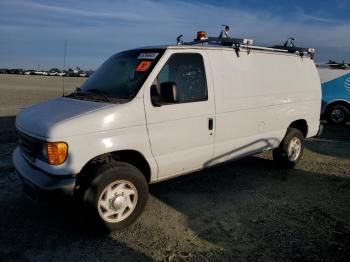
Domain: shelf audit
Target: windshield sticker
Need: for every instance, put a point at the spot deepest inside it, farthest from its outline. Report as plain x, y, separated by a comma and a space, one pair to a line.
143, 66
148, 56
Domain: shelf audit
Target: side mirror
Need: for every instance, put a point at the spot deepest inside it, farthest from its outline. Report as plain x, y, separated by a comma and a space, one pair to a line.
168, 93
165, 94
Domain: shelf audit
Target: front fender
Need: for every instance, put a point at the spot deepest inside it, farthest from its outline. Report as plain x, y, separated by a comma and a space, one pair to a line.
83, 148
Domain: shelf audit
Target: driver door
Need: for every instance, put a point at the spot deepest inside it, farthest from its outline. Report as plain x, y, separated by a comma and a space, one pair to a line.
182, 134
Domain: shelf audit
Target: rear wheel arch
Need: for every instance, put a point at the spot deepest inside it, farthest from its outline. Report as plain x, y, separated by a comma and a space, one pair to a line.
301, 125
336, 103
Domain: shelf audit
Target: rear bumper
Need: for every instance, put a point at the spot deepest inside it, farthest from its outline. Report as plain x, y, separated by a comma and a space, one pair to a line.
40, 186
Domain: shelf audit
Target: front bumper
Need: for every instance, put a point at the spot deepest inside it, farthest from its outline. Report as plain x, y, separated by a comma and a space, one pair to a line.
39, 185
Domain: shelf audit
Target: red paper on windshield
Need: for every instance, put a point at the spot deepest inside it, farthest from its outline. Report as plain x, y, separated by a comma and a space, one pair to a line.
143, 66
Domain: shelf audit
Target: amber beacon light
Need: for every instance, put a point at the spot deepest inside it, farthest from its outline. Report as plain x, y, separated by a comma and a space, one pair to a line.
201, 35
56, 153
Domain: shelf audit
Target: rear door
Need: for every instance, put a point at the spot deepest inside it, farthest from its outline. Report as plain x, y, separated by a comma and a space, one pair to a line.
182, 134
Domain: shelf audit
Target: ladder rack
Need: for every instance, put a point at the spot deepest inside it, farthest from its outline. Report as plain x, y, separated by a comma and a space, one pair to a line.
236, 43
227, 41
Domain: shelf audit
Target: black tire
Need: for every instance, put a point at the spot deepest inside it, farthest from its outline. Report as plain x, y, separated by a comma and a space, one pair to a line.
281, 155
337, 115
105, 175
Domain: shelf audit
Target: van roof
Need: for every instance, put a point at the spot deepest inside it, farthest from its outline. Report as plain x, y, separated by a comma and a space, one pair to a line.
218, 47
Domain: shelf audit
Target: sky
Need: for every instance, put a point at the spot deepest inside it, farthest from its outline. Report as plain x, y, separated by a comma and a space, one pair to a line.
33, 32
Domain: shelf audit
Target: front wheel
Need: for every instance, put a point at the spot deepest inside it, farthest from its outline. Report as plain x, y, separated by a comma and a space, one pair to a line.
288, 153
117, 196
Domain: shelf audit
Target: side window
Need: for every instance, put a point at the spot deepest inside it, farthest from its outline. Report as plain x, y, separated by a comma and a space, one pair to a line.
187, 72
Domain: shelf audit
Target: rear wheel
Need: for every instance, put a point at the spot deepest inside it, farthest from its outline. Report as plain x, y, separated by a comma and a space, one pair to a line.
117, 196
337, 115
288, 153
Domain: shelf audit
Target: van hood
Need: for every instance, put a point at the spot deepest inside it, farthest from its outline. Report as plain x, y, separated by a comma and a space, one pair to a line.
40, 118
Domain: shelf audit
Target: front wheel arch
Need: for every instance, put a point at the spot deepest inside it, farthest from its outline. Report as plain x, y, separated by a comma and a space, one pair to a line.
131, 157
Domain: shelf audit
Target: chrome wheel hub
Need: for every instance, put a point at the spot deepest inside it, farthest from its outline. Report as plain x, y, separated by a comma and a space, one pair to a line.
294, 149
117, 201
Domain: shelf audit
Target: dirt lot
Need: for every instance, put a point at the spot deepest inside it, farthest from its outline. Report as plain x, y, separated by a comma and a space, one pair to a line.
20, 91
248, 210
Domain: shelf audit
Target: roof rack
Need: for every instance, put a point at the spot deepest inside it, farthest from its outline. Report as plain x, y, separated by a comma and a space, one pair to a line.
236, 43
291, 48
224, 41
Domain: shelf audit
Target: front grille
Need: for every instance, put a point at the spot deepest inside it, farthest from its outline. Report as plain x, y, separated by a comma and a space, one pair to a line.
30, 146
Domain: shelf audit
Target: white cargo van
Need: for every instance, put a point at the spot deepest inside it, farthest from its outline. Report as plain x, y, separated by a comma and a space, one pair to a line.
151, 114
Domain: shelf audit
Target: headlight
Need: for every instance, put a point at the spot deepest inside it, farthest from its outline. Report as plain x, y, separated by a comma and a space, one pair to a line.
54, 153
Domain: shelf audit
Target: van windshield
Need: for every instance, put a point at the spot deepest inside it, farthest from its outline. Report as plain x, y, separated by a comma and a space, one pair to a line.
120, 77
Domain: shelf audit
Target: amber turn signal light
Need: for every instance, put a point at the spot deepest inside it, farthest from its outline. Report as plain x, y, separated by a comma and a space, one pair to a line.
56, 153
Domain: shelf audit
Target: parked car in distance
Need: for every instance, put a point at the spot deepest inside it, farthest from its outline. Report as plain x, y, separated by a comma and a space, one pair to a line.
82, 74
335, 79
151, 114
29, 72
69, 72
15, 71
54, 72
4, 71
39, 72
89, 73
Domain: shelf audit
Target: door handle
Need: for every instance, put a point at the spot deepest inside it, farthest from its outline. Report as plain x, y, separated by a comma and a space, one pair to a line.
211, 123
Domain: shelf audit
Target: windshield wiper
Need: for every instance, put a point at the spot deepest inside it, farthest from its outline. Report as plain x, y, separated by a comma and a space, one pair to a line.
92, 93
99, 92
76, 92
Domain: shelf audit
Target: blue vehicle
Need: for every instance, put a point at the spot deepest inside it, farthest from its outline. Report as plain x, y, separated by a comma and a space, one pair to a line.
335, 79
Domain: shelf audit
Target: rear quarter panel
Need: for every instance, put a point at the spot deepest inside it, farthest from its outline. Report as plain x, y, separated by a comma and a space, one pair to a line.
257, 96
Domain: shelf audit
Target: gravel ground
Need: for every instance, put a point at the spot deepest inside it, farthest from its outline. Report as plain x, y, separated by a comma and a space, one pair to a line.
20, 91
247, 210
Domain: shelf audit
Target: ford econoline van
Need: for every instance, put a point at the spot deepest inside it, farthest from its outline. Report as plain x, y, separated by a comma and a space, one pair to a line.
154, 113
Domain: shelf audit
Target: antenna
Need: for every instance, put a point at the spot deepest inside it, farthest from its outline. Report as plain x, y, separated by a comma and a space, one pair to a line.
64, 65
224, 32
179, 40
